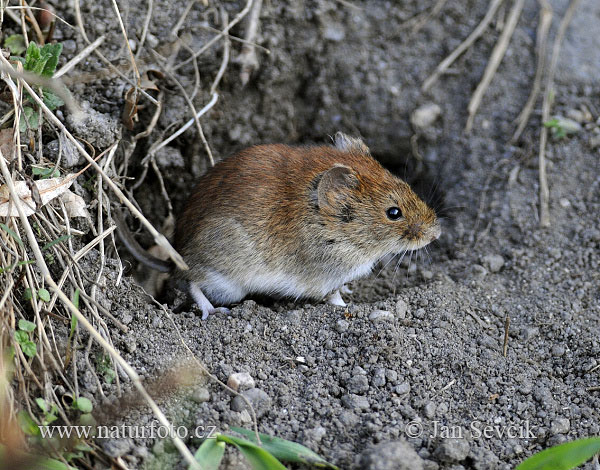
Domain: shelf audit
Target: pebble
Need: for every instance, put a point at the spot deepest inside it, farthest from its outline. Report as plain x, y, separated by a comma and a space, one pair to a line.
401, 308
391, 455
240, 381
493, 262
560, 426
452, 450
116, 448
378, 378
478, 271
201, 395
424, 116
381, 315
358, 384
342, 326
257, 397
402, 389
354, 401
429, 410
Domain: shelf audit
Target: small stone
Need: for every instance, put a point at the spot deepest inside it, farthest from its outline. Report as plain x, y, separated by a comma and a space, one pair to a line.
240, 381
116, 447
201, 395
424, 116
429, 410
378, 378
420, 313
558, 350
317, 433
391, 455
381, 315
452, 450
353, 401
342, 326
402, 389
493, 262
261, 402
349, 419
401, 308
478, 271
529, 332
358, 384
426, 274
560, 426
564, 202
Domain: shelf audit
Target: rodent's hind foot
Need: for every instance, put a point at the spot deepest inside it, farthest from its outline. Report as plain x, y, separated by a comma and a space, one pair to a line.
335, 298
205, 306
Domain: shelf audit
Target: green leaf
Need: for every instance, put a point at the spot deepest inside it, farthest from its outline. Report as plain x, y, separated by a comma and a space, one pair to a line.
29, 348
76, 303
42, 404
83, 404
210, 454
29, 119
15, 43
51, 99
49, 55
32, 56
286, 451
12, 233
27, 424
259, 458
44, 173
49, 245
21, 337
44, 294
28, 294
564, 456
87, 419
26, 325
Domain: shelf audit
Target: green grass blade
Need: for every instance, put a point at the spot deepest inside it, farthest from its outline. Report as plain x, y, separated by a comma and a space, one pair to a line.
49, 245
12, 233
210, 454
564, 456
286, 451
258, 457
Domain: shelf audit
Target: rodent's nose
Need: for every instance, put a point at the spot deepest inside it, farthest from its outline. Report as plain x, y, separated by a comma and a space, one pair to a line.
414, 231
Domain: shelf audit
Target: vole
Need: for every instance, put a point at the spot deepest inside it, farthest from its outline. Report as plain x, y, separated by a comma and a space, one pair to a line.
296, 222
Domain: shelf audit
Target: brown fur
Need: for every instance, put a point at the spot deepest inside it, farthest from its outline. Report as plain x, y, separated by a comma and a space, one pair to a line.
313, 213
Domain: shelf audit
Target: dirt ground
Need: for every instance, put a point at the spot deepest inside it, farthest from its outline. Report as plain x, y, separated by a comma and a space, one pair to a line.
365, 389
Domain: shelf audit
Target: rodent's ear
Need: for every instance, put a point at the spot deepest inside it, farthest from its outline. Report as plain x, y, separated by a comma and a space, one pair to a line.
333, 182
347, 143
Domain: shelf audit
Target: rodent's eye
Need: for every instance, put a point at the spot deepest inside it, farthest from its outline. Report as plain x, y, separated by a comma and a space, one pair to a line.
394, 213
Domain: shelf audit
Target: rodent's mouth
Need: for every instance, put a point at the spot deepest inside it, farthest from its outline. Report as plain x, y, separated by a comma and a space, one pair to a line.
432, 234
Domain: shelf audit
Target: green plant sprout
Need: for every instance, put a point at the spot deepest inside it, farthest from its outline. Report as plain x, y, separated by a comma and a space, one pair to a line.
23, 338
560, 127
563, 456
41, 61
267, 456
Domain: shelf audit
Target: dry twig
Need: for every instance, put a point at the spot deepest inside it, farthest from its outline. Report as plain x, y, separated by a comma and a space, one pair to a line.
495, 59
548, 97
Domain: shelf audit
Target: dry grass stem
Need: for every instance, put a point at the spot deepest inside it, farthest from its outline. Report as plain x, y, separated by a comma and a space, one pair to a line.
248, 59
79, 57
541, 44
225, 30
494, 62
158, 237
547, 104
41, 264
463, 46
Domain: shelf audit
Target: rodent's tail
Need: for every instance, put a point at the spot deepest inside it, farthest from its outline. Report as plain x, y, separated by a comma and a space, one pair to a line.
136, 249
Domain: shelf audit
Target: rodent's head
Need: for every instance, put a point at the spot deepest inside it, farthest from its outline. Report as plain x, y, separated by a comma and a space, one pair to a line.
368, 211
